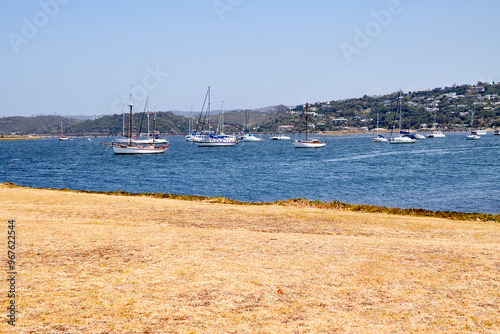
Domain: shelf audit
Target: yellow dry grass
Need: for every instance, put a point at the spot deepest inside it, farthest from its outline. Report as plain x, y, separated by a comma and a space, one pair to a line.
92, 263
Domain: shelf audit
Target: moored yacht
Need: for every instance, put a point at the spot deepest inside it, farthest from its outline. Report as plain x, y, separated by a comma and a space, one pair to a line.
251, 137
280, 136
404, 137
308, 143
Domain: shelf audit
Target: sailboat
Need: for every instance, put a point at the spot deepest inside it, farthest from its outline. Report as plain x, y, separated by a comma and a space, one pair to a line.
379, 138
404, 137
219, 139
249, 136
308, 143
131, 148
149, 139
436, 133
194, 136
191, 135
61, 137
471, 135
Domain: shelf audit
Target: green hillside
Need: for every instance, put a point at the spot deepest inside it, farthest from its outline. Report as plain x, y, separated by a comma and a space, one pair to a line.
452, 108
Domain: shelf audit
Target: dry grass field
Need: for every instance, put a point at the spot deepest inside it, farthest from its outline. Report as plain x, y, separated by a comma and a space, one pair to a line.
95, 263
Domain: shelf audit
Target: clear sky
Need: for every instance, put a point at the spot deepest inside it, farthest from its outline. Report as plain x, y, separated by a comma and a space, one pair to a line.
75, 57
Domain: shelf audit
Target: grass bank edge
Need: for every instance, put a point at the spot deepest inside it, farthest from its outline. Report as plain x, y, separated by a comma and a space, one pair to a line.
298, 202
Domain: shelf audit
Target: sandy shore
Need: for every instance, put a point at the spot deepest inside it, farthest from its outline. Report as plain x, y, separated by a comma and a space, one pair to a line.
94, 263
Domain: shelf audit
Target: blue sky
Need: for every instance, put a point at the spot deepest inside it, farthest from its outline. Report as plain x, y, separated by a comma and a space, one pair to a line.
74, 57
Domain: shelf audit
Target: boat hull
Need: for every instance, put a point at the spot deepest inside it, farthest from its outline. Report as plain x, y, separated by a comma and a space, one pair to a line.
215, 144
195, 138
307, 144
436, 135
472, 137
128, 149
250, 139
401, 140
280, 138
479, 132
379, 140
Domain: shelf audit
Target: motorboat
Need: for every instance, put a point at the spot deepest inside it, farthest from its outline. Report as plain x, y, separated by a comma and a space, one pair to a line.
403, 138
218, 141
379, 139
419, 136
436, 134
280, 136
251, 137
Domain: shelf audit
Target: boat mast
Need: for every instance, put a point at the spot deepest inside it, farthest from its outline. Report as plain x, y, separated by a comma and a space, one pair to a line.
208, 112
307, 112
222, 118
190, 122
399, 104
154, 127
471, 120
130, 131
123, 120
147, 109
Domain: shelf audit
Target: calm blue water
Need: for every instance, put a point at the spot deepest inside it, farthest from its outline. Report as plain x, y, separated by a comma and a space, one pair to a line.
435, 174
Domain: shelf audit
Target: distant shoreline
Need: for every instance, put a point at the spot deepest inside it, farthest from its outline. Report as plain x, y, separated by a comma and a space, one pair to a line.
320, 133
20, 138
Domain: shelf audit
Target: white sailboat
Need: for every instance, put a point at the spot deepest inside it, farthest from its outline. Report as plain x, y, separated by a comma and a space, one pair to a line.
62, 137
249, 137
404, 137
469, 134
219, 139
379, 138
193, 135
436, 133
149, 140
131, 148
308, 143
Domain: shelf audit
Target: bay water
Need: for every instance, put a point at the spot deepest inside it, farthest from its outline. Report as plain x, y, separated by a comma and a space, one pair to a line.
451, 174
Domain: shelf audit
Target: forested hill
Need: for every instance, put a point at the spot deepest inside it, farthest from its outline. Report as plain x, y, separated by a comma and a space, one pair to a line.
166, 123
450, 107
